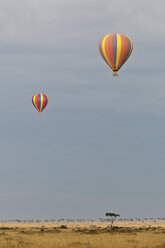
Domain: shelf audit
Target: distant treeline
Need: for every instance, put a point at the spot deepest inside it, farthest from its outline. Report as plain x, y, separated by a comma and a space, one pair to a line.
79, 220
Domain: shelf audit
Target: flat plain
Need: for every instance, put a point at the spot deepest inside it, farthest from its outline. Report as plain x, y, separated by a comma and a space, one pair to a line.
84, 234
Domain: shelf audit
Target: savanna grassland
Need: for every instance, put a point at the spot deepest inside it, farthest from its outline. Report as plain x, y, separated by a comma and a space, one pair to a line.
82, 235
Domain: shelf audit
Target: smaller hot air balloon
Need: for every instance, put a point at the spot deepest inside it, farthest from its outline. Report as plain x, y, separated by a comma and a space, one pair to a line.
115, 50
40, 101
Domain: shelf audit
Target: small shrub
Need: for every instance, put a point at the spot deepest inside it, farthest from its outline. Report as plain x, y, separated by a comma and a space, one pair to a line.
63, 227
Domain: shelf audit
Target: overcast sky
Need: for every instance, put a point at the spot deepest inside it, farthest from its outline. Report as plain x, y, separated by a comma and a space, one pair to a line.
100, 143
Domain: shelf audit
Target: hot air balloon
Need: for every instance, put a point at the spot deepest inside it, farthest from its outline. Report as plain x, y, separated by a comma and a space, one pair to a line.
115, 50
40, 101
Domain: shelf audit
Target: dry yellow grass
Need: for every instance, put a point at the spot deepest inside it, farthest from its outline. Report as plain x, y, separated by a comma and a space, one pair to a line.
82, 235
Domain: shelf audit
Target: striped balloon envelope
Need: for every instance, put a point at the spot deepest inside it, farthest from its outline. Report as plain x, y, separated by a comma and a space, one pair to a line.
115, 50
40, 101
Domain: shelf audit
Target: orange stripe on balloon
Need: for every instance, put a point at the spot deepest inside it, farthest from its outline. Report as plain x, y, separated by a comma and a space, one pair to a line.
104, 53
130, 48
109, 49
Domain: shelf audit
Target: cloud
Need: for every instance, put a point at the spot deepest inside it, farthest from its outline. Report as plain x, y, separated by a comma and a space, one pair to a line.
50, 22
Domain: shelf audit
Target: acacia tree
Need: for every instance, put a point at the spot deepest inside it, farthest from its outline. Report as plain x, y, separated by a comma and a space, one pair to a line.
112, 217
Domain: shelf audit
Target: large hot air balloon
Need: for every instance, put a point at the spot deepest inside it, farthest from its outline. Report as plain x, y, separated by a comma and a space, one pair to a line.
115, 50
40, 101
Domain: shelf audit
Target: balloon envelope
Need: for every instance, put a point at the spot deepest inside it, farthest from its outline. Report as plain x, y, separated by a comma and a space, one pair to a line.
40, 101
115, 50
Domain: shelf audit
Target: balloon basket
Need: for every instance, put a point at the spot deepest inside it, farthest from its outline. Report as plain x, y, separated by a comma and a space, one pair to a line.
115, 74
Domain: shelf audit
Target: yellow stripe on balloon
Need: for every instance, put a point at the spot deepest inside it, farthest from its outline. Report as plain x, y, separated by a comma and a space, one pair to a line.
118, 50
104, 52
41, 102
34, 100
